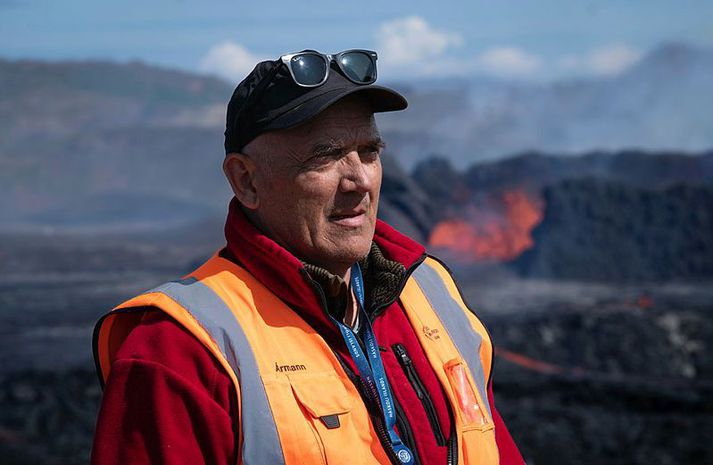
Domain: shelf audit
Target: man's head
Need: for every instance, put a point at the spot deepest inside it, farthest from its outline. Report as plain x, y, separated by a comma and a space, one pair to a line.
313, 185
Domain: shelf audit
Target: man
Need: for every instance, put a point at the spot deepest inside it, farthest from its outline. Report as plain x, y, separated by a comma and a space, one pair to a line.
318, 334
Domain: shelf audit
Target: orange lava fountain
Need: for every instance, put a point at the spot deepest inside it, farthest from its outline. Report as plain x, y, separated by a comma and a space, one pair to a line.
488, 235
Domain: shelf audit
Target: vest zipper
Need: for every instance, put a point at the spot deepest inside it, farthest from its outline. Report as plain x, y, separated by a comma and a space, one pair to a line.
453, 446
421, 391
374, 409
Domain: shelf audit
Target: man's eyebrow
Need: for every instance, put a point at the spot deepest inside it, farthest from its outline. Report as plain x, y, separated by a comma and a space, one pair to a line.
334, 147
376, 142
327, 148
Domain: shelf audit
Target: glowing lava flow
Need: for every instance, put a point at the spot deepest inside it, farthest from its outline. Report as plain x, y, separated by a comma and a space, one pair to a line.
494, 233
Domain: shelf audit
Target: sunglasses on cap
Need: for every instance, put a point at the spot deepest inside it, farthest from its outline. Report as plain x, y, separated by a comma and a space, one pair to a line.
311, 69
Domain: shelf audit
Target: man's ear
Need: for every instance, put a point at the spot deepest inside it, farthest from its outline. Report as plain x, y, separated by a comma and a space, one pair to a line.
241, 170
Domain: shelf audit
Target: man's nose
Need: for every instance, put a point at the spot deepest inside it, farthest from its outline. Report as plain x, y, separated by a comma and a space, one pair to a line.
357, 175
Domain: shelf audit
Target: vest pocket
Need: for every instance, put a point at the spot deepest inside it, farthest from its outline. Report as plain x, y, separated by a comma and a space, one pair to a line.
327, 409
471, 408
477, 432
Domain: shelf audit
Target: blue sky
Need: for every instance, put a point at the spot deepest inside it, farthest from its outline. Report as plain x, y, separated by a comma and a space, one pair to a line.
523, 39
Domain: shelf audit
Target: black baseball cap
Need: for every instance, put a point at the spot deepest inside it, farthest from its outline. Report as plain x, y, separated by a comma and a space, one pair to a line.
268, 99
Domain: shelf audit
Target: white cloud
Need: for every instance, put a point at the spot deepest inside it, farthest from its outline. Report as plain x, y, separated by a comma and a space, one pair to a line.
410, 40
606, 61
508, 62
569, 62
613, 60
229, 60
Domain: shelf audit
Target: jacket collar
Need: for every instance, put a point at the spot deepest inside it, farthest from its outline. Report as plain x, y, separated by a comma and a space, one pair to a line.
285, 275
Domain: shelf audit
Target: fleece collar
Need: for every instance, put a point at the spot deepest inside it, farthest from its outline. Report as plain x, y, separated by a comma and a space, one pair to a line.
288, 278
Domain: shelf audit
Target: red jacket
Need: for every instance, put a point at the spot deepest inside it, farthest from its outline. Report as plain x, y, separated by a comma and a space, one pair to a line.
168, 401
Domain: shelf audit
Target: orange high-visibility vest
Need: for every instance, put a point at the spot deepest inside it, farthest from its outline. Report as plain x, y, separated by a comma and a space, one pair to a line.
290, 385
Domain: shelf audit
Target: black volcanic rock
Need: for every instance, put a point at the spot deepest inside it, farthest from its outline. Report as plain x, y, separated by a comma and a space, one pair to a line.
443, 184
600, 230
629, 377
450, 189
403, 204
535, 170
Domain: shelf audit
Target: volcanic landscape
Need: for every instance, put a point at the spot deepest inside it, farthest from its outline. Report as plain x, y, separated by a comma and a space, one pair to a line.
593, 271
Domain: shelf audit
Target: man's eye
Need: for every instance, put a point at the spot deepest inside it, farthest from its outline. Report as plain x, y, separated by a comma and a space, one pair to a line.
328, 156
372, 152
320, 160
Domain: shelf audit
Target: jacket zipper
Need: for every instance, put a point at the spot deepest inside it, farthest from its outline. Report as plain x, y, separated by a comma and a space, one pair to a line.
377, 419
406, 434
374, 409
421, 391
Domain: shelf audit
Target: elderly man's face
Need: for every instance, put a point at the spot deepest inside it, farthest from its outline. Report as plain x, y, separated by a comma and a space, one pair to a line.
316, 186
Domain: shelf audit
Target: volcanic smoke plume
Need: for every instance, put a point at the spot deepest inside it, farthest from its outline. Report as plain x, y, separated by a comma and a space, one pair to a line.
495, 227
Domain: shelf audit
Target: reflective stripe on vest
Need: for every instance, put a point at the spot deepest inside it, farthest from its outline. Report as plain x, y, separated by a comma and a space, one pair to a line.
260, 441
455, 322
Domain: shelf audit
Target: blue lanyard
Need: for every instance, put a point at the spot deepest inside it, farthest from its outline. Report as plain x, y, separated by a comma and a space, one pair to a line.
371, 367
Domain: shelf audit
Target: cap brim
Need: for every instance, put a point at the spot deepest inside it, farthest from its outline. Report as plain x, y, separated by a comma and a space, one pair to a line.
381, 99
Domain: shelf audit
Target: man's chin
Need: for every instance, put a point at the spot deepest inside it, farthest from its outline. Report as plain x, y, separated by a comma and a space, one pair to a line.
349, 252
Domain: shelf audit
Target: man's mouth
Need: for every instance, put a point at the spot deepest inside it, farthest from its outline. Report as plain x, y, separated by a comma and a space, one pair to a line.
345, 215
349, 218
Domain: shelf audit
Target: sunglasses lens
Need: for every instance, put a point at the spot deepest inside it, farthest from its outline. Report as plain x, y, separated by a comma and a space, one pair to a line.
308, 69
358, 66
